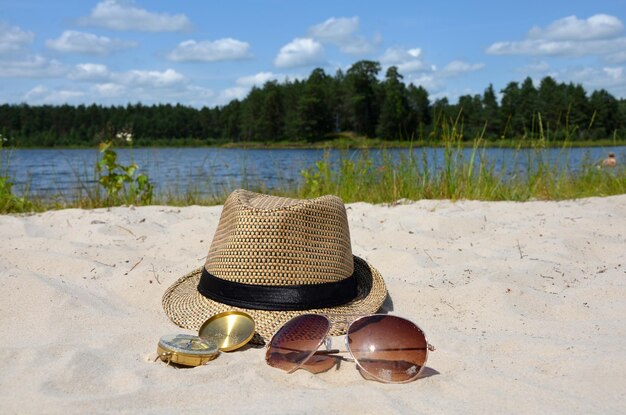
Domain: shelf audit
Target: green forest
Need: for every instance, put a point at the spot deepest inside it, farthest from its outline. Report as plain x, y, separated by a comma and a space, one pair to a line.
358, 100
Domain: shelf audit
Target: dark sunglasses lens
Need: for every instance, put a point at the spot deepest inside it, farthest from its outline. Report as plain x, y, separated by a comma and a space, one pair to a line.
389, 348
296, 341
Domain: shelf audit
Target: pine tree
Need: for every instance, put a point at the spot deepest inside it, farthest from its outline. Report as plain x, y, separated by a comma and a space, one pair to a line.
491, 113
606, 113
551, 100
528, 99
363, 96
394, 109
420, 111
510, 111
315, 115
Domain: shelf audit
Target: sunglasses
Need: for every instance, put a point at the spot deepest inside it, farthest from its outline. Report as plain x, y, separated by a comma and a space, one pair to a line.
385, 348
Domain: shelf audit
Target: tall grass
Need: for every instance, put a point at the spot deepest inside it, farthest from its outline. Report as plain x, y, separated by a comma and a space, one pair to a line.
414, 175
359, 178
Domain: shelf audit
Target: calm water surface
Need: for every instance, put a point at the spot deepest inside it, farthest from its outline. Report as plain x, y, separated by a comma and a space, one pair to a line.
54, 172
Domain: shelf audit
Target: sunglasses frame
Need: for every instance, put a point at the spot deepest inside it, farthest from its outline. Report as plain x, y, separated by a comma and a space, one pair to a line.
331, 352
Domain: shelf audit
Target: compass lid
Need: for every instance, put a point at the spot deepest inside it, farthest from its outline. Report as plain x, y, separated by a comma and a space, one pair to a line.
229, 330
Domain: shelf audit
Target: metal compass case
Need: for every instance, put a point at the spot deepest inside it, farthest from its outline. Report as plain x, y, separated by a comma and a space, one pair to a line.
223, 332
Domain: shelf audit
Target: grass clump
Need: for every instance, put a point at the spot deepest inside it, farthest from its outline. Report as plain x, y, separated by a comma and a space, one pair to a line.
119, 181
9, 202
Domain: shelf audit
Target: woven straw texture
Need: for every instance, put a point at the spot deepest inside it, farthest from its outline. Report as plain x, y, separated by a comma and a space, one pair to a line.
269, 240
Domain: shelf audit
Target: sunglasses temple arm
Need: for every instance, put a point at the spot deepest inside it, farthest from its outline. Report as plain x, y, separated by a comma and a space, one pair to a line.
334, 352
326, 352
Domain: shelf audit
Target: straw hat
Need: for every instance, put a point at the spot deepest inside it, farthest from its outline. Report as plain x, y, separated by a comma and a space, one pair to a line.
276, 258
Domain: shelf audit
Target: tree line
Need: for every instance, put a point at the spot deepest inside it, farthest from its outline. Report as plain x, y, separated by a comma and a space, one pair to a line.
322, 105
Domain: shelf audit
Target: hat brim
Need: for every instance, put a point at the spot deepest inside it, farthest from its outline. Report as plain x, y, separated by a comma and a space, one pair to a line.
187, 308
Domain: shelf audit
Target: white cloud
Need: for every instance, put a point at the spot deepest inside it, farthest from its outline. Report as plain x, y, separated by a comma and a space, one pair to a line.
341, 32
140, 85
615, 74
189, 95
121, 93
300, 52
32, 67
135, 85
103, 85
458, 67
617, 57
599, 26
37, 91
611, 78
245, 83
407, 60
558, 48
199, 93
452, 95
13, 39
414, 66
598, 35
335, 30
414, 53
154, 79
416, 70
429, 81
89, 72
258, 79
109, 90
435, 80
362, 46
229, 94
72, 41
124, 15
43, 95
210, 51
93, 72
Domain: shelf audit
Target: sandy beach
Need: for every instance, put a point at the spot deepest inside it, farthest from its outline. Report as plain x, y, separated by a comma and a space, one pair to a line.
525, 303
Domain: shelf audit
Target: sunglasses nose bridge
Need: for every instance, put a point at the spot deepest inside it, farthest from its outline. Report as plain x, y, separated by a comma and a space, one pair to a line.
328, 343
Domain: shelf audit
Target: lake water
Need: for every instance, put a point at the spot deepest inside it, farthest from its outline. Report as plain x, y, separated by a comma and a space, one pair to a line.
53, 172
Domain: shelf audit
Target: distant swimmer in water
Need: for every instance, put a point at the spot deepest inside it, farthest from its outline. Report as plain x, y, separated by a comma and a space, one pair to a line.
610, 161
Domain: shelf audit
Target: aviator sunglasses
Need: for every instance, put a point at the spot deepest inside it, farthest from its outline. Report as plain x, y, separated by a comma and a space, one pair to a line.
385, 348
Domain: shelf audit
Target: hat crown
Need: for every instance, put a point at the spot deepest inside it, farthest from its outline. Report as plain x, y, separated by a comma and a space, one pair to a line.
270, 240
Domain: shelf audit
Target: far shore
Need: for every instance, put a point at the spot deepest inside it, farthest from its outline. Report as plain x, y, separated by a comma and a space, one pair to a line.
347, 143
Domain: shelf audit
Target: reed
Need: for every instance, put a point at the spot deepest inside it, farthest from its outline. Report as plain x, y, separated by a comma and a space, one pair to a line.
456, 173
362, 179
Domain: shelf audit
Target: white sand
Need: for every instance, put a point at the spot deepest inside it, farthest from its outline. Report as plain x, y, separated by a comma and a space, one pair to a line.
525, 302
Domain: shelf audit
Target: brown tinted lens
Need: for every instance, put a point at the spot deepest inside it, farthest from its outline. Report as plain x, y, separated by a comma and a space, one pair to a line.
296, 341
319, 363
389, 348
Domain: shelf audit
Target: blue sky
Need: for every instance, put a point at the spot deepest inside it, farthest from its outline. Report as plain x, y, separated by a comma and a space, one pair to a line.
199, 53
